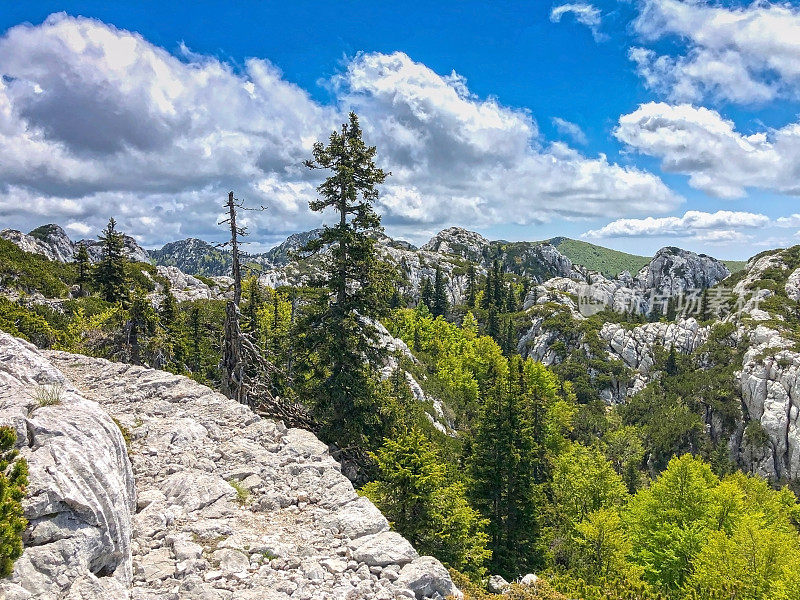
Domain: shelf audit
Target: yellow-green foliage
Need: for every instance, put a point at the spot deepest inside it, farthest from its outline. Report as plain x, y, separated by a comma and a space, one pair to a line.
692, 535
460, 358
425, 505
13, 481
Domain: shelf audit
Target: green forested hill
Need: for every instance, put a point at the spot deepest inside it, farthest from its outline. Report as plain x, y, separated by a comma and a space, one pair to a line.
612, 262
596, 258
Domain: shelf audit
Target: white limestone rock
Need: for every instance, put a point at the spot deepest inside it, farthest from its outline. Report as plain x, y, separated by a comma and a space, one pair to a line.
81, 491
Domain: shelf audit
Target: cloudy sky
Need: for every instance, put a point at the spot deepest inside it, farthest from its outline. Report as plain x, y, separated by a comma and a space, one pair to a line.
628, 123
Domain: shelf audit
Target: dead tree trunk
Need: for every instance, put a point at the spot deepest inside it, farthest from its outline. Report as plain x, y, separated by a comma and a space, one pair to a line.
247, 372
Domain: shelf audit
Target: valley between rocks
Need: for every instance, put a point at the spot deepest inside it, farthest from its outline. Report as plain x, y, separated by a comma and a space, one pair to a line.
227, 504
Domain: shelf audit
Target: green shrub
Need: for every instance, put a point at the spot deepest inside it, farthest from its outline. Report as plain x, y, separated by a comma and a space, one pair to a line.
13, 480
32, 273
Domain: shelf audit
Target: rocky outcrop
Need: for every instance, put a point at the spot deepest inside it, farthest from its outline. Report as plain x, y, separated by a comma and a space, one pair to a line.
770, 387
81, 492
674, 270
459, 242
52, 242
226, 504
193, 256
187, 287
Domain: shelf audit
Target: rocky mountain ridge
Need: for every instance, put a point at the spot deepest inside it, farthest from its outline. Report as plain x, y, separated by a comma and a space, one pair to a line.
146, 485
53, 242
671, 270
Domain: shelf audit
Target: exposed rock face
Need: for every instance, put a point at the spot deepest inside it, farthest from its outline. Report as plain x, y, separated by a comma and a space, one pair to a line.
193, 256
81, 493
186, 287
49, 240
280, 255
771, 394
131, 247
635, 346
52, 242
673, 270
226, 504
460, 242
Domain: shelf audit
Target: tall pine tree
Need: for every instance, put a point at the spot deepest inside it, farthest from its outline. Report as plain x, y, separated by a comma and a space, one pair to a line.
110, 272
471, 286
84, 268
338, 331
508, 462
440, 303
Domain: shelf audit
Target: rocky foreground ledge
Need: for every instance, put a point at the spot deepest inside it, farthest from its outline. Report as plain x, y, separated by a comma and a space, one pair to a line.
186, 496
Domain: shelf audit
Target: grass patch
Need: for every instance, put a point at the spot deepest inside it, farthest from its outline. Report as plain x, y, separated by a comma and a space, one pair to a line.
49, 395
126, 433
242, 493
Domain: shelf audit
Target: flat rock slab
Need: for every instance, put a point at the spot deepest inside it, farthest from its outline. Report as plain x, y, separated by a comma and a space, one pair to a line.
232, 506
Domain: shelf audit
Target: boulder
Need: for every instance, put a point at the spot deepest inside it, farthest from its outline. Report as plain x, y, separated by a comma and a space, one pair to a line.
426, 576
81, 491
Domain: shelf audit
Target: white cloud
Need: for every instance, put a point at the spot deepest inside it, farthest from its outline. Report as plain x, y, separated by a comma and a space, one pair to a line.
79, 228
97, 122
718, 159
719, 227
741, 54
790, 221
585, 14
571, 130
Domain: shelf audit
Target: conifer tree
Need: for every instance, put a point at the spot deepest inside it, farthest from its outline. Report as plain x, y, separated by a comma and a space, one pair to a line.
168, 311
511, 299
255, 301
195, 341
507, 464
426, 293
84, 268
471, 285
488, 293
397, 299
509, 342
440, 303
110, 272
493, 324
498, 289
704, 312
338, 330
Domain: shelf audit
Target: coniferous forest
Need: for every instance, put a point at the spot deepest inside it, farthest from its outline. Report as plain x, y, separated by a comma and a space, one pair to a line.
477, 453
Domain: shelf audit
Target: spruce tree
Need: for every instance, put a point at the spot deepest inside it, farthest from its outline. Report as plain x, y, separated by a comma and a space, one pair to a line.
493, 325
255, 301
471, 285
509, 342
195, 339
507, 463
488, 293
110, 272
84, 268
511, 299
426, 293
440, 303
338, 331
498, 288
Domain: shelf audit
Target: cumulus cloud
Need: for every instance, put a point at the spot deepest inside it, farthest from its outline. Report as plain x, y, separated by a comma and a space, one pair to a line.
96, 121
571, 130
585, 14
741, 54
718, 159
719, 227
790, 221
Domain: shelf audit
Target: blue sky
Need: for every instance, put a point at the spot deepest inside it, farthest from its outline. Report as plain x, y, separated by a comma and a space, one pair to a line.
541, 90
